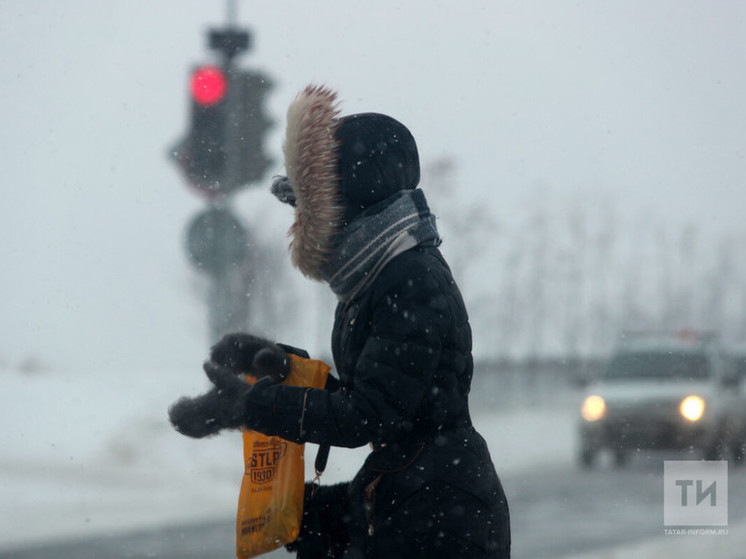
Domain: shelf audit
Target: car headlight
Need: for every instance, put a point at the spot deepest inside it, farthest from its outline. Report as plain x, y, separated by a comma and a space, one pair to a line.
692, 408
593, 408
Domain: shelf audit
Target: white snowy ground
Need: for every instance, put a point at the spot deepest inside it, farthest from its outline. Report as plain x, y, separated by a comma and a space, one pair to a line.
88, 453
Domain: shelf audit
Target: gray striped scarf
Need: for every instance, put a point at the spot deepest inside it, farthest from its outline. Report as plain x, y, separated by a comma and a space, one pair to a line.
372, 241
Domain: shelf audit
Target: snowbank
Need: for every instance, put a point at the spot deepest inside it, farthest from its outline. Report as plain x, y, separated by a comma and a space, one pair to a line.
92, 453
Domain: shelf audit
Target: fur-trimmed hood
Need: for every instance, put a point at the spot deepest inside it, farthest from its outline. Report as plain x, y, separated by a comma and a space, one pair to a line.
310, 151
338, 168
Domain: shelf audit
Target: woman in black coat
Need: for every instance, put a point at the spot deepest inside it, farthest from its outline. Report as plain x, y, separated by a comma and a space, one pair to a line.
401, 344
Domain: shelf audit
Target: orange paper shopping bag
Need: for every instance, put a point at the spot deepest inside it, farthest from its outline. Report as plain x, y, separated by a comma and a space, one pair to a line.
270, 504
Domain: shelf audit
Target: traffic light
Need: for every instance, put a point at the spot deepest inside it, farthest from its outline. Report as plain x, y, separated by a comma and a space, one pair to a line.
224, 148
246, 129
208, 86
205, 157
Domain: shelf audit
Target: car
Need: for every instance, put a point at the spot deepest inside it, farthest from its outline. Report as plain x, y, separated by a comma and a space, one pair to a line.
658, 391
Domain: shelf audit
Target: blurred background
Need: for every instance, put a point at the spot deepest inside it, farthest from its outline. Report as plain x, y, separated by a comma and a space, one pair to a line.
586, 163
585, 160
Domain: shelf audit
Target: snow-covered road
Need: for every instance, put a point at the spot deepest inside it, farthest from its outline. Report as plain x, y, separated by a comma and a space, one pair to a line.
85, 454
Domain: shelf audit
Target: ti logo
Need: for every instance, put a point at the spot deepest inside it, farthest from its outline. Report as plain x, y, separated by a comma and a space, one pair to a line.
695, 493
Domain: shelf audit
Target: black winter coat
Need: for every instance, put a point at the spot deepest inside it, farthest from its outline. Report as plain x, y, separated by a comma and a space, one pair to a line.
403, 354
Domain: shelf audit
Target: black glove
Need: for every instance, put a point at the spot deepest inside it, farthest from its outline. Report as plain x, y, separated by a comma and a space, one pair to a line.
246, 354
324, 531
223, 407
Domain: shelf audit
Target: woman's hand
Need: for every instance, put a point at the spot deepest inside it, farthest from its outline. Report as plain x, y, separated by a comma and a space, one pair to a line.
251, 355
223, 407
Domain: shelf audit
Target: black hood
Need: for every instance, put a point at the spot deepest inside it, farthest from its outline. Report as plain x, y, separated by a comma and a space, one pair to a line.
337, 167
377, 158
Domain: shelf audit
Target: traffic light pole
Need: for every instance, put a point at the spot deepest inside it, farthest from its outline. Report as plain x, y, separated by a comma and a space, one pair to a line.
223, 152
231, 12
228, 300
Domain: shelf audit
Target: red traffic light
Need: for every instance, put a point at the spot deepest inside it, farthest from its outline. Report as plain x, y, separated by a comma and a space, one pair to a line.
209, 85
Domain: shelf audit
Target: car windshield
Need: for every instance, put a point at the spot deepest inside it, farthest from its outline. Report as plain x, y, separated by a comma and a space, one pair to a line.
658, 365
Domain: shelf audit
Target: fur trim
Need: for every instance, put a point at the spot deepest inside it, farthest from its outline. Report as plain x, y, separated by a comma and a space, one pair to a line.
310, 151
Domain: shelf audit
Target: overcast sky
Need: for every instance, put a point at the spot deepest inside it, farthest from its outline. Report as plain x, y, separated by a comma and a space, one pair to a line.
635, 103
